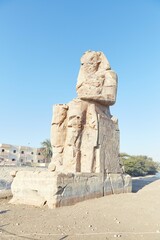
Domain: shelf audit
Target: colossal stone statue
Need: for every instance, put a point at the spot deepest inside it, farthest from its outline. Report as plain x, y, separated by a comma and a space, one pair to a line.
85, 143
84, 135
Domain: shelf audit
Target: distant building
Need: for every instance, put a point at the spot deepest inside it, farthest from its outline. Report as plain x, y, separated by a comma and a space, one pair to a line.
21, 155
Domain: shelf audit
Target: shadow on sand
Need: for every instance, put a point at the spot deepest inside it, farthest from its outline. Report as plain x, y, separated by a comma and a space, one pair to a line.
139, 183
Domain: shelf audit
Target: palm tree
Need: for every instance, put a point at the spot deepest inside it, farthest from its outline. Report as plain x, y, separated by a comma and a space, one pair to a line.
47, 152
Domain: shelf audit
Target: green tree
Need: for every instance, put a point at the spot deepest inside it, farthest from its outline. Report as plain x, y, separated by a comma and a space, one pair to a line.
139, 165
47, 152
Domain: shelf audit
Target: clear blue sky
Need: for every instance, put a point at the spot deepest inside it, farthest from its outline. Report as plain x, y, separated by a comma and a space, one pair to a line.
41, 42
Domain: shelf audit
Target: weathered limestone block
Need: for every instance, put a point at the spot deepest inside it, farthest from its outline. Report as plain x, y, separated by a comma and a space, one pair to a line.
109, 145
117, 183
90, 139
78, 187
95, 80
127, 183
34, 188
41, 188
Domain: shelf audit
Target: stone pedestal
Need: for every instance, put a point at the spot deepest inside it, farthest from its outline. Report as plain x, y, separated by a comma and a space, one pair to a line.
57, 190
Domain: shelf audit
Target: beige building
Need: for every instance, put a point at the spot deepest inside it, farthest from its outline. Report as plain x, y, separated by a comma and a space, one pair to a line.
21, 155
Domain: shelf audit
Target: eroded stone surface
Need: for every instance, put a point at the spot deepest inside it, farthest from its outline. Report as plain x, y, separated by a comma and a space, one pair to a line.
96, 80
57, 190
34, 187
87, 140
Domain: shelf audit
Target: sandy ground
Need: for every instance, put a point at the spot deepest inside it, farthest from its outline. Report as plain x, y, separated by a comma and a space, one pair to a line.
134, 216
